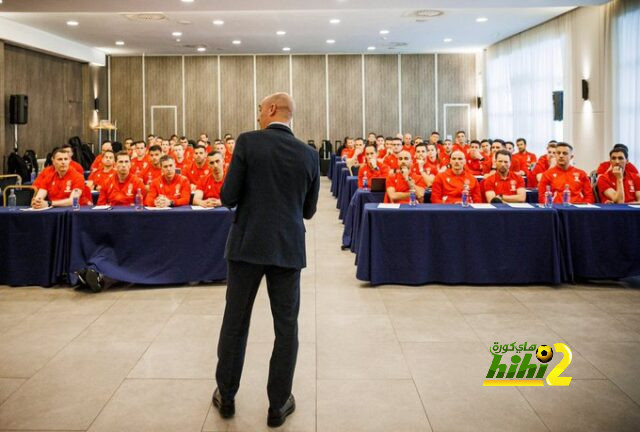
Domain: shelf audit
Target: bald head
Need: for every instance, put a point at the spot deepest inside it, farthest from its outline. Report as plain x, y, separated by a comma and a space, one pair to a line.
278, 107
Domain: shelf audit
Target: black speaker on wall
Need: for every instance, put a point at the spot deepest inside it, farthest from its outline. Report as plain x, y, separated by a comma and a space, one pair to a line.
558, 102
18, 109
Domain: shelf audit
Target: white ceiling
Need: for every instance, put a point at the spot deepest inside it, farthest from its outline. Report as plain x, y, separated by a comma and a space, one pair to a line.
306, 22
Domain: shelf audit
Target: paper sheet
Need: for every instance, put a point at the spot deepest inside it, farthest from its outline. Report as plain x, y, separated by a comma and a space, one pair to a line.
195, 207
587, 206
34, 209
388, 206
157, 208
519, 205
482, 206
101, 207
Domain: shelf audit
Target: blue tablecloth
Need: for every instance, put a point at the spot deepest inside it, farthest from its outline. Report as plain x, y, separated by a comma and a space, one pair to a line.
354, 216
151, 247
451, 244
602, 243
33, 246
348, 188
332, 162
342, 180
335, 176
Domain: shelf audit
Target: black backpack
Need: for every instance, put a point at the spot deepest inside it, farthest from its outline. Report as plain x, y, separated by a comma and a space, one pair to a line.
17, 165
31, 160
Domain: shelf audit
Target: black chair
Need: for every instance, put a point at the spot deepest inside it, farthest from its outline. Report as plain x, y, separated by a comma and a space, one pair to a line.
6, 181
312, 143
24, 194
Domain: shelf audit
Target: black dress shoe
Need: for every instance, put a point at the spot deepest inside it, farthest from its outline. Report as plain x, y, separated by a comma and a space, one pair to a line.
227, 408
93, 279
277, 417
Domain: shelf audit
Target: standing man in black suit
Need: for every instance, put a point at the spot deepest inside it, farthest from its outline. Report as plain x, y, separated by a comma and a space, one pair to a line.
274, 182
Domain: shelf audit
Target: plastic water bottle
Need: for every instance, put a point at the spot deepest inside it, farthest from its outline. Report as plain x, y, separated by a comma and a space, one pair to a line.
11, 200
412, 196
365, 181
75, 199
138, 200
33, 175
548, 197
465, 196
566, 195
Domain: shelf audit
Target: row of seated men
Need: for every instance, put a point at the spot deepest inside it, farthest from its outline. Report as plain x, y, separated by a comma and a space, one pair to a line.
163, 178
449, 168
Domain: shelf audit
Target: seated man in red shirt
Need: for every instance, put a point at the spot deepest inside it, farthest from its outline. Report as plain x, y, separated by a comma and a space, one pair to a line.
565, 175
391, 159
170, 189
460, 143
407, 143
230, 143
199, 168
526, 160
606, 165
426, 163
123, 187
57, 186
448, 185
400, 183
188, 150
372, 168
474, 164
165, 146
445, 154
181, 162
97, 162
543, 163
619, 185
357, 157
380, 147
504, 185
489, 164
98, 179
140, 159
220, 147
485, 149
349, 148
154, 171
73, 164
207, 192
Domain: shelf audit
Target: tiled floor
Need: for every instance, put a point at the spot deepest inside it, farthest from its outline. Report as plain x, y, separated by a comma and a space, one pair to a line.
371, 359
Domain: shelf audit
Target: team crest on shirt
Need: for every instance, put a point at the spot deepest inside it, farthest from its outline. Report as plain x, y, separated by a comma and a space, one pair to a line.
576, 177
632, 188
177, 193
68, 187
513, 185
130, 190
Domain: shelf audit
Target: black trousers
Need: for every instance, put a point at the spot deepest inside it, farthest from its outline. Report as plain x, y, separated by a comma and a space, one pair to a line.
283, 285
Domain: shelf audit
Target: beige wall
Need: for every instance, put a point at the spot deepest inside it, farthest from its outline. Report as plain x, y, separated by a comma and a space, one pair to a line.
221, 93
60, 95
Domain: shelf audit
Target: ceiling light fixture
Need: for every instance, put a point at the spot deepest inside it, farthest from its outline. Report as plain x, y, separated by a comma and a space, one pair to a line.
72, 23
119, 43
331, 41
447, 40
236, 42
371, 48
218, 22
334, 21
281, 32
176, 34
187, 1
286, 49
482, 19
178, 40
201, 49
384, 32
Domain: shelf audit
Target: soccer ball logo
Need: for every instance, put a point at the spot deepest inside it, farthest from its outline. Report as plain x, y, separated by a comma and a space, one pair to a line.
544, 353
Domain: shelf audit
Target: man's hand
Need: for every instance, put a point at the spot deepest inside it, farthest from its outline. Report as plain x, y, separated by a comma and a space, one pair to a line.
162, 201
211, 202
405, 173
39, 203
618, 173
552, 161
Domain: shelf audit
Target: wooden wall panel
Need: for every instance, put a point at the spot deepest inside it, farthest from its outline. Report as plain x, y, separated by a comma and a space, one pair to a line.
345, 96
456, 84
236, 83
381, 94
54, 88
163, 87
4, 146
272, 75
201, 95
126, 97
309, 94
418, 94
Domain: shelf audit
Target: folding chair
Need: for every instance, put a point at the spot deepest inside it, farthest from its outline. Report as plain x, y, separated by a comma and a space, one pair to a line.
8, 180
24, 194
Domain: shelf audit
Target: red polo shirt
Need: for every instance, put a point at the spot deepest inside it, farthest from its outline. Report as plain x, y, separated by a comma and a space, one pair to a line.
447, 187
116, 193
381, 171
557, 178
178, 190
630, 180
500, 186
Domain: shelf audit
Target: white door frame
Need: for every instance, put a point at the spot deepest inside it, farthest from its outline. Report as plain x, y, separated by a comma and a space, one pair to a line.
468, 106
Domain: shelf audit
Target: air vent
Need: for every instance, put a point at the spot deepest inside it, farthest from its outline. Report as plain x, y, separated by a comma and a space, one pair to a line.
147, 17
424, 13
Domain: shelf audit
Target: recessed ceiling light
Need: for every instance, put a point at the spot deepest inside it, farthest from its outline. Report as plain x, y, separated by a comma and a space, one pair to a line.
72, 23
236, 42
201, 49
384, 32
482, 19
281, 32
187, 1
331, 41
447, 40
218, 22
119, 43
286, 49
371, 48
178, 40
334, 21
184, 22
176, 34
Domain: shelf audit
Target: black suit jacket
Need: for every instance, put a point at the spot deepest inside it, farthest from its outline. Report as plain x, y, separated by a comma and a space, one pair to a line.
274, 181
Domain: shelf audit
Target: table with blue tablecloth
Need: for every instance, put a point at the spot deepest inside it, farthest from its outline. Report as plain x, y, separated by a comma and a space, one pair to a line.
601, 242
335, 177
349, 187
332, 162
453, 244
342, 180
33, 246
354, 216
174, 246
